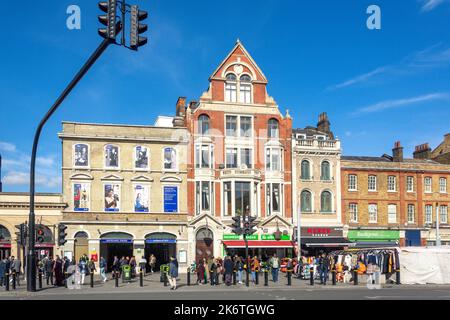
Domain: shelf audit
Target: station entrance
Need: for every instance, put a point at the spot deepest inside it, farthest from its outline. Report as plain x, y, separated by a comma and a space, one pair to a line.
115, 244
162, 246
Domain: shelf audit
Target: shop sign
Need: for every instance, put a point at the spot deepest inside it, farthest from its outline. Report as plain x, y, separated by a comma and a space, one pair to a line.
240, 237
373, 235
321, 232
160, 241
271, 237
116, 241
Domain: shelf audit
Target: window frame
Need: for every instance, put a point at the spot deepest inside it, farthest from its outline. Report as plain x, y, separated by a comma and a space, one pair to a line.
428, 187
269, 165
409, 184
391, 212
443, 185
374, 212
163, 160
322, 178
391, 183
201, 122
443, 213
373, 184
118, 157
88, 155
411, 212
273, 126
355, 182
353, 213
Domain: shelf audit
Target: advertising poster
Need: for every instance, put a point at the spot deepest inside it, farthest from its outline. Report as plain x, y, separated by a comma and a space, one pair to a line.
112, 197
81, 197
111, 156
141, 198
141, 157
170, 199
81, 155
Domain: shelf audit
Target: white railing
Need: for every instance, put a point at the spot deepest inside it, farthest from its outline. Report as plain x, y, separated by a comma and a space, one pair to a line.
320, 144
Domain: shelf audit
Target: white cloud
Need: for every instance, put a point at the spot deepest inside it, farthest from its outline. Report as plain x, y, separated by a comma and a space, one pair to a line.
45, 161
17, 178
7, 147
359, 79
429, 5
389, 104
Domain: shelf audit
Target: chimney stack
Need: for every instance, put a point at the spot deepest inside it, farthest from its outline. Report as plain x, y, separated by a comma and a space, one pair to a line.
179, 120
422, 151
323, 124
397, 152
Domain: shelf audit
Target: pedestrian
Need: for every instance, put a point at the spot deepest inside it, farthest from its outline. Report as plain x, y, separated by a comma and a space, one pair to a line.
116, 267
239, 267
324, 267
48, 267
275, 267
213, 272
228, 266
58, 272
255, 266
152, 262
200, 272
103, 266
2, 272
143, 265
83, 268
173, 273
91, 267
133, 265
16, 268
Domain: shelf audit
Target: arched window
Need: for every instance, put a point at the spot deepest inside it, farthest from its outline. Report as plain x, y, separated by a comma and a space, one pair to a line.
231, 88
306, 201
305, 170
203, 124
170, 159
325, 171
245, 89
325, 202
273, 129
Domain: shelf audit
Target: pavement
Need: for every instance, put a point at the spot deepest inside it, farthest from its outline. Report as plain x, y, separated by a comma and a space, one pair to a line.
153, 289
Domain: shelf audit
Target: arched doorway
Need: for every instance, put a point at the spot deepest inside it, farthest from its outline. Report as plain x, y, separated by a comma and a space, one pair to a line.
5, 243
162, 245
81, 245
204, 244
113, 244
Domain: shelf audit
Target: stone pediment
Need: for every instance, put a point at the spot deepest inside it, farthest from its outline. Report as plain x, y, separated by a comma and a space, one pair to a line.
81, 176
112, 177
171, 178
274, 221
142, 178
204, 219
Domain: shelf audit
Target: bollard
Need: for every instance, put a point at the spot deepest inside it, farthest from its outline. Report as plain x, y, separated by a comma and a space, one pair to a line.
311, 276
65, 279
257, 278
141, 278
266, 278
116, 278
188, 277
355, 277
7, 281
40, 280
397, 276
289, 278
333, 277
14, 275
234, 277
165, 279
247, 280
92, 278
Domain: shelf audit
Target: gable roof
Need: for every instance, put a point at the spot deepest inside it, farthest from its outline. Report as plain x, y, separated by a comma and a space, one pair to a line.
239, 46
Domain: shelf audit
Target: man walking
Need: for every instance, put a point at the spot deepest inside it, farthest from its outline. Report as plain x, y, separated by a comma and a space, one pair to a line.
275, 266
16, 266
48, 267
324, 265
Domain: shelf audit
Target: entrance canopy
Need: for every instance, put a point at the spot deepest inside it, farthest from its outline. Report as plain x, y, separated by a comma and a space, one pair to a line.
161, 237
327, 242
258, 244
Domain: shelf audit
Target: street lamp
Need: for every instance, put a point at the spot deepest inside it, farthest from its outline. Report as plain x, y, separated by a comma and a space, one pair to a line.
113, 27
438, 236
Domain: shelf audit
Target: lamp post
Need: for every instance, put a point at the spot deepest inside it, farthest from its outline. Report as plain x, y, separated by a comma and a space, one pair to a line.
299, 232
438, 236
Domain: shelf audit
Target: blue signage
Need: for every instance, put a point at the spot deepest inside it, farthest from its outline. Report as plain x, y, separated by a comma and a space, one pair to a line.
161, 241
170, 199
116, 241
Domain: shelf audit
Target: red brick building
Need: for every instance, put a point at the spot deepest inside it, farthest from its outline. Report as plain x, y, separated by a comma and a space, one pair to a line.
239, 159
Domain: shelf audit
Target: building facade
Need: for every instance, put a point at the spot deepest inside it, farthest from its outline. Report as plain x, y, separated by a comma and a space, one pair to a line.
391, 200
239, 161
125, 187
14, 210
317, 187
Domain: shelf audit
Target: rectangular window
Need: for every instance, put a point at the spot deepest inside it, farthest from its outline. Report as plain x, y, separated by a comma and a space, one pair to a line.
231, 158
443, 214
273, 159
428, 214
245, 93
242, 198
231, 126
206, 196
203, 156
373, 213
392, 183
372, 183
246, 157
443, 185
273, 198
353, 210
227, 199
246, 126
230, 92
428, 185
392, 213
410, 184
411, 213
352, 182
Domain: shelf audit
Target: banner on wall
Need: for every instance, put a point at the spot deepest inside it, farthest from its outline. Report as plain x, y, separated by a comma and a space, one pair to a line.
170, 199
81, 197
112, 197
141, 198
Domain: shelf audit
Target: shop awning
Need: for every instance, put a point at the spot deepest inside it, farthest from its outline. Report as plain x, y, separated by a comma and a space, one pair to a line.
327, 242
258, 244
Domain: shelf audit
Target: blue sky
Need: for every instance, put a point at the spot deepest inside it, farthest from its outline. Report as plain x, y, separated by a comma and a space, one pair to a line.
378, 86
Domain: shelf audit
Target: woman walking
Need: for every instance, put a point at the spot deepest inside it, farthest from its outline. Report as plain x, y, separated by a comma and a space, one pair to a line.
200, 272
173, 273
58, 272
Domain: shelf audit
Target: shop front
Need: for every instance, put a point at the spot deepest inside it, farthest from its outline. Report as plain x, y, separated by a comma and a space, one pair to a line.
263, 246
316, 240
374, 238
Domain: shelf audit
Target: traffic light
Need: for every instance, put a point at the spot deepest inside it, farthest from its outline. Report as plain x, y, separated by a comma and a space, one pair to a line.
137, 28
62, 234
236, 226
249, 225
21, 234
109, 19
40, 233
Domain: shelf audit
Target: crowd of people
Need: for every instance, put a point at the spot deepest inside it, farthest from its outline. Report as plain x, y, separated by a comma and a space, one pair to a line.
10, 266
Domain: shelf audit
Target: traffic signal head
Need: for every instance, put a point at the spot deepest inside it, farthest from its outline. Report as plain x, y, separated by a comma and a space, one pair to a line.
40, 233
62, 234
236, 226
21, 234
249, 225
109, 19
137, 28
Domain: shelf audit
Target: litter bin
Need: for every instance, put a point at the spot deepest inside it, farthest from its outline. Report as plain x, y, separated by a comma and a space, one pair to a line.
126, 273
163, 271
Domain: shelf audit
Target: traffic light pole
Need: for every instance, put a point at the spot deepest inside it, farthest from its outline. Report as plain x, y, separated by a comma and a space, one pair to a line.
248, 261
31, 257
